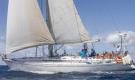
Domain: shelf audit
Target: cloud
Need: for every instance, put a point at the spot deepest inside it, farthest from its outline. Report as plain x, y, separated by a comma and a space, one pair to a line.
128, 37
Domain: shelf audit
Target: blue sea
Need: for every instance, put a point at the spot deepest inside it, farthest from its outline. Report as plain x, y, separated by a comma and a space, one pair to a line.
5, 74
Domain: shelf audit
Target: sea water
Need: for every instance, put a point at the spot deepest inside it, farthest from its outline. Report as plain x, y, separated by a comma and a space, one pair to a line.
5, 74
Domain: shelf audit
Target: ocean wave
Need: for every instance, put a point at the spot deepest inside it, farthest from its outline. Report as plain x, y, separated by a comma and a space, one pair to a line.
5, 74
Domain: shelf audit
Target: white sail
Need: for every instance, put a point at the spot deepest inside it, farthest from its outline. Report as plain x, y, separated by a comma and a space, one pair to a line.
25, 26
65, 23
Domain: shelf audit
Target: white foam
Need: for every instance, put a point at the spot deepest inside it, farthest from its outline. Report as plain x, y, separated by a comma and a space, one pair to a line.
42, 72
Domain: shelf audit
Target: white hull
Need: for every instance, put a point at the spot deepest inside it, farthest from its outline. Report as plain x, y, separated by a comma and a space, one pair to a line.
44, 67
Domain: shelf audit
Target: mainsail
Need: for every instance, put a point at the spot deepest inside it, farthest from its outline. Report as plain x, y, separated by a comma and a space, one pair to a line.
25, 26
65, 23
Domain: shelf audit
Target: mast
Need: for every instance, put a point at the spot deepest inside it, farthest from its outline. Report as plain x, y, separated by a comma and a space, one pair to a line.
50, 46
36, 53
50, 50
43, 52
121, 44
122, 38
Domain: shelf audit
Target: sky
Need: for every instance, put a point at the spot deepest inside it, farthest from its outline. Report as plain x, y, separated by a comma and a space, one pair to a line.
101, 17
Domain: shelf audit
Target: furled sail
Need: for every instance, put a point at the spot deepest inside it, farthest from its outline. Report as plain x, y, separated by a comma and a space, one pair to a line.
25, 26
65, 23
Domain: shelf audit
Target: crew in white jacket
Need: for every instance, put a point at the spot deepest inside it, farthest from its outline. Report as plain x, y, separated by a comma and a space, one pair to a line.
127, 58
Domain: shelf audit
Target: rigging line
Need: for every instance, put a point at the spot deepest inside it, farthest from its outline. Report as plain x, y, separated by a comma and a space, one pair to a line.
58, 48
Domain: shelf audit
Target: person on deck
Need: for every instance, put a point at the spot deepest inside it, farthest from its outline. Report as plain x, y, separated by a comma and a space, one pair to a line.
65, 53
118, 59
93, 53
127, 58
83, 53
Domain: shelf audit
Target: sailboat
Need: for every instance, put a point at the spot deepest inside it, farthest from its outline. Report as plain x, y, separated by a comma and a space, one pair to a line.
26, 28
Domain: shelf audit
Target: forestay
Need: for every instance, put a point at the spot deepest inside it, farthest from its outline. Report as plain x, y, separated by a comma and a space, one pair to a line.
65, 23
25, 26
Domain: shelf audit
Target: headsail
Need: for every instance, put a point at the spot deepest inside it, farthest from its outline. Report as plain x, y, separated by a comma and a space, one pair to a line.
65, 23
25, 26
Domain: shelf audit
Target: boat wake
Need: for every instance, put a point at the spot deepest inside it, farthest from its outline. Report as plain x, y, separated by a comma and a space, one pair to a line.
42, 72
133, 66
